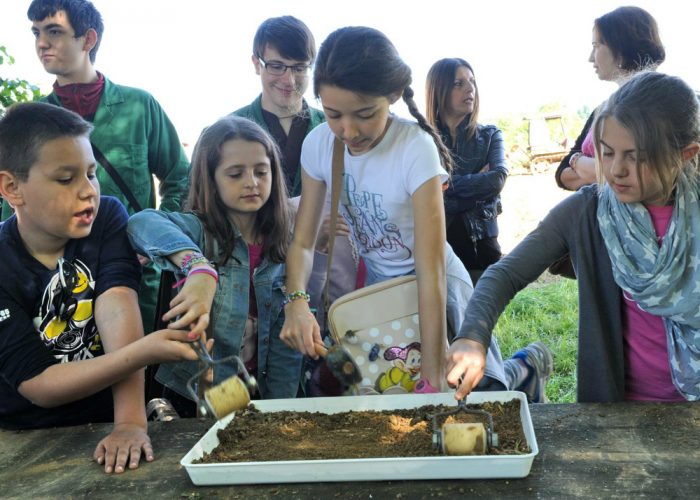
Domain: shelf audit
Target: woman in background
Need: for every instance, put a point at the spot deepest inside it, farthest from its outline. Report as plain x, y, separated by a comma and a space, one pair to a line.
625, 41
472, 200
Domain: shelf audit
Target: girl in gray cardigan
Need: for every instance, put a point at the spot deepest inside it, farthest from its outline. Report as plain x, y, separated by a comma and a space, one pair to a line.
634, 242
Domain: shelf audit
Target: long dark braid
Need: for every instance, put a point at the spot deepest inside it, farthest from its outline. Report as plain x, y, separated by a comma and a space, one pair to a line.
445, 156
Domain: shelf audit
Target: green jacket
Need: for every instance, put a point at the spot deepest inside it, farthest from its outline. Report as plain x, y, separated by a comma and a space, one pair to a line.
254, 113
139, 140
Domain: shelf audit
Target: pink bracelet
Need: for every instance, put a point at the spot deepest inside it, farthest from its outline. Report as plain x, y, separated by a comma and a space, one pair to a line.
198, 270
205, 270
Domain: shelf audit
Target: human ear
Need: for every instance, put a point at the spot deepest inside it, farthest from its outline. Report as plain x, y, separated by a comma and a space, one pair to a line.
395, 97
690, 151
90, 40
10, 188
256, 63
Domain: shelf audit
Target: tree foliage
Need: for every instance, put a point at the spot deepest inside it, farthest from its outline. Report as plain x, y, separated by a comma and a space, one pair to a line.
14, 90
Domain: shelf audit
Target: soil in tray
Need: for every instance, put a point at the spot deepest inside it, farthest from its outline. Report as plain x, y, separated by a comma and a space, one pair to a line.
254, 436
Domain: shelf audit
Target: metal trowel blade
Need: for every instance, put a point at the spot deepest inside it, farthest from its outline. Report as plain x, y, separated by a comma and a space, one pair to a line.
342, 366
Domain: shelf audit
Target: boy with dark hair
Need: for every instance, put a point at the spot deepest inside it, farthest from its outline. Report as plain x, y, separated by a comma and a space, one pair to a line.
283, 51
82, 17
133, 139
70, 326
288, 35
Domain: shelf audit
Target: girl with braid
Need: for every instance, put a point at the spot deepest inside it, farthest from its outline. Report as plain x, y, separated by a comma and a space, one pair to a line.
391, 197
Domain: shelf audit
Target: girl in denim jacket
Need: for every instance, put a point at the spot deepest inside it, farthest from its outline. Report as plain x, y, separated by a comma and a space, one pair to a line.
237, 204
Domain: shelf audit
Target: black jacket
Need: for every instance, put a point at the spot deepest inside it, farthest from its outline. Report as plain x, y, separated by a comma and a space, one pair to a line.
471, 195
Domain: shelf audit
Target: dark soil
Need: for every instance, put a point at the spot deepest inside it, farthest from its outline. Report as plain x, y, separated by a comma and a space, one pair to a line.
253, 436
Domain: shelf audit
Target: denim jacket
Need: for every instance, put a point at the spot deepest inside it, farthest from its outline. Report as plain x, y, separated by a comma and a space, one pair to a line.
471, 195
159, 234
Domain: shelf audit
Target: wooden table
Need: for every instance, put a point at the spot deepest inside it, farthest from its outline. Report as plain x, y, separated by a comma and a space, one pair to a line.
619, 450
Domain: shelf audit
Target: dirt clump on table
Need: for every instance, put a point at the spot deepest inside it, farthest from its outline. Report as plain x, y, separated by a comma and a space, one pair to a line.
254, 436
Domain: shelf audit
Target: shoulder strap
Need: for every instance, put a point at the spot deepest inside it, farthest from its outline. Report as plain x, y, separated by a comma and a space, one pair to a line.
336, 184
100, 157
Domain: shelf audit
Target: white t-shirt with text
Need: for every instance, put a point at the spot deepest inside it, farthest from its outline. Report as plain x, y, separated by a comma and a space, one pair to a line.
377, 188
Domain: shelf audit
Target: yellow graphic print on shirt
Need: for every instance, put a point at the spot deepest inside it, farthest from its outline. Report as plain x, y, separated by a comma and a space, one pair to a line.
65, 321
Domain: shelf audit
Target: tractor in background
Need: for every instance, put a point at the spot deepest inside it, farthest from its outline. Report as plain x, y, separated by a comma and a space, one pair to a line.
547, 145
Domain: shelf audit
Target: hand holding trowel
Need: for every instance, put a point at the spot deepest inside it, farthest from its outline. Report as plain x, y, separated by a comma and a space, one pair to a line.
230, 395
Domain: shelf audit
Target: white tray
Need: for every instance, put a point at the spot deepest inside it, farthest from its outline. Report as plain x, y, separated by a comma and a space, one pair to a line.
367, 469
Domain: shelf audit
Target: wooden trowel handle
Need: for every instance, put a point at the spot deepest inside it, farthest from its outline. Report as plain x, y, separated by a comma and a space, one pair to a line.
321, 350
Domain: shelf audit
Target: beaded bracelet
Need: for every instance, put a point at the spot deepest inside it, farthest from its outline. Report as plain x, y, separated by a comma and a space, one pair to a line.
191, 259
299, 294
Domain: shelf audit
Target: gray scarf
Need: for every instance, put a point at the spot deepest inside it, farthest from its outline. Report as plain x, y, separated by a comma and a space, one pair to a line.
664, 280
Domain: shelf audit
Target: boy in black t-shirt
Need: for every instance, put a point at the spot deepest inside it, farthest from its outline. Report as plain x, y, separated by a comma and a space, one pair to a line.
70, 327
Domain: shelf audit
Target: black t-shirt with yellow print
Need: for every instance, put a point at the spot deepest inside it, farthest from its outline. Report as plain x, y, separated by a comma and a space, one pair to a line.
46, 316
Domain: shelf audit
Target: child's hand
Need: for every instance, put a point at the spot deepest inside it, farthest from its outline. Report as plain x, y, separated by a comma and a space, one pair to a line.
341, 229
124, 445
167, 346
192, 304
300, 330
466, 360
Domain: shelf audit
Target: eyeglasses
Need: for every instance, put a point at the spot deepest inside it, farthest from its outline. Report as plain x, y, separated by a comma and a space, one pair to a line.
279, 69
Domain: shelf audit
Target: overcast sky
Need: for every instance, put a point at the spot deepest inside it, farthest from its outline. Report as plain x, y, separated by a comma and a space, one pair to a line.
195, 56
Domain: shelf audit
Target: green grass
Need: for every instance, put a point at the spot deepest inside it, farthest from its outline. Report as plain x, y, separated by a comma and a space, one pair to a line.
547, 310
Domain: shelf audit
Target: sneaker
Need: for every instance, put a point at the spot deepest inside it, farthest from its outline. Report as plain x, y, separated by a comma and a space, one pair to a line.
538, 358
424, 387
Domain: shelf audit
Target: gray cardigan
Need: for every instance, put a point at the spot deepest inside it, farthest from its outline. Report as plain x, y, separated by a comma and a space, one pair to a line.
571, 226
